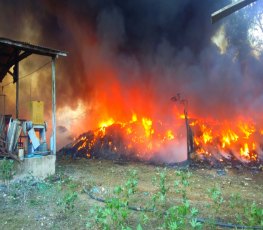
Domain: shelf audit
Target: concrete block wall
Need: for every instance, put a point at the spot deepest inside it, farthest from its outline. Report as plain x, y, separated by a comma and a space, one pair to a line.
40, 167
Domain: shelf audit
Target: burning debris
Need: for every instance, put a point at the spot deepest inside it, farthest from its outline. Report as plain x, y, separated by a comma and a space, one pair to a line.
148, 141
224, 141
139, 140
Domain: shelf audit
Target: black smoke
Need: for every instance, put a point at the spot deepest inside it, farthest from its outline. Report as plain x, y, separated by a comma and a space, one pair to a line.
163, 47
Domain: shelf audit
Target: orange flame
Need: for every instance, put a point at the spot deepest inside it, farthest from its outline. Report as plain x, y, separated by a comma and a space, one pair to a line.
147, 124
236, 137
228, 136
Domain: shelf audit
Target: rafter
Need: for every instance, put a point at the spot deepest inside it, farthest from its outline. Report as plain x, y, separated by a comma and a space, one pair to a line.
229, 9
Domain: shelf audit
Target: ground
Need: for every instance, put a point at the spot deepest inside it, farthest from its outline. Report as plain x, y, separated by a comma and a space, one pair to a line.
62, 201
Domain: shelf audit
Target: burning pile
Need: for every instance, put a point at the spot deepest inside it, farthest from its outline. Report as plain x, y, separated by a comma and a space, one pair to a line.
138, 139
145, 140
224, 140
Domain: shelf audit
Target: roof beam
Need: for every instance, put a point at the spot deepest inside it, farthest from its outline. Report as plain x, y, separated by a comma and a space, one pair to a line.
229, 9
10, 48
12, 62
32, 48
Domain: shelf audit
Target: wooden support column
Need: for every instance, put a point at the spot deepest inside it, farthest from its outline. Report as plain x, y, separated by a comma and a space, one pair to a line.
53, 141
16, 80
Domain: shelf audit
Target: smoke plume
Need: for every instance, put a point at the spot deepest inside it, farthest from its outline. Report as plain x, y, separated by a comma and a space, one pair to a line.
140, 53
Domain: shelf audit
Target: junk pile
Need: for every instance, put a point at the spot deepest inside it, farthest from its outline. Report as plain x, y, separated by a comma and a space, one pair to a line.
9, 138
17, 136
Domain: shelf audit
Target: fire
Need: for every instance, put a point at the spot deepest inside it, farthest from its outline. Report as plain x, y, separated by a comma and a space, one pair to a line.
139, 134
146, 136
134, 117
182, 116
170, 135
105, 124
248, 151
207, 134
134, 121
228, 138
245, 151
247, 129
147, 124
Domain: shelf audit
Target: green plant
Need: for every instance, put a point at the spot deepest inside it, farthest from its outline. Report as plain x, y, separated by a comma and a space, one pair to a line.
68, 200
235, 200
6, 170
215, 194
182, 183
195, 224
253, 214
43, 187
115, 212
181, 215
160, 180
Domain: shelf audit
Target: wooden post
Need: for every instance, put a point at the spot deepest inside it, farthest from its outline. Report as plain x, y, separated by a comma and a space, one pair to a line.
16, 80
53, 142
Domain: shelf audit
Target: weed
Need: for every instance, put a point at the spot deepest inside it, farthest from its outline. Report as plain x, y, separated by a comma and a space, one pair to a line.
180, 216
195, 224
160, 180
43, 187
6, 170
162, 215
68, 201
253, 214
35, 202
216, 195
235, 200
181, 183
116, 210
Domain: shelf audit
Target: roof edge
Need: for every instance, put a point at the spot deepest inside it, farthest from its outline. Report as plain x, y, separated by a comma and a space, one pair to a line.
35, 49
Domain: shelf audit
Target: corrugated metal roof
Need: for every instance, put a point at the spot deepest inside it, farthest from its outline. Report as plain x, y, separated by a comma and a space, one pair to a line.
14, 51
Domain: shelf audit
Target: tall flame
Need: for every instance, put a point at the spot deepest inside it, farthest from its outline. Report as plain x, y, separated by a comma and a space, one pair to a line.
239, 138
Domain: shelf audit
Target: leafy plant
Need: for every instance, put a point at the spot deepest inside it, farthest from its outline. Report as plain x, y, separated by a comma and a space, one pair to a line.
68, 200
180, 216
254, 214
235, 200
216, 195
181, 183
246, 212
6, 170
116, 210
160, 180
195, 224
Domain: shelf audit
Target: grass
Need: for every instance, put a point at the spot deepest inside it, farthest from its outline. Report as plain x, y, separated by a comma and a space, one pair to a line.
165, 198
167, 215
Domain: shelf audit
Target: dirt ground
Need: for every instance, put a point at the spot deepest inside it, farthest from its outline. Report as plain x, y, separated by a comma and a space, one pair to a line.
36, 204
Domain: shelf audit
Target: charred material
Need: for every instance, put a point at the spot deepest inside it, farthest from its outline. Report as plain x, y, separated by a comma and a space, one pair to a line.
111, 143
96, 144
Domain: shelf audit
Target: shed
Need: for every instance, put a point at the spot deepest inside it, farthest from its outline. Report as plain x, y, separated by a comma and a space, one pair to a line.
11, 53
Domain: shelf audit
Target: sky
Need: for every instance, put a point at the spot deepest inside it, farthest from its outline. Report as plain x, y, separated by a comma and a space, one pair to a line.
134, 55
